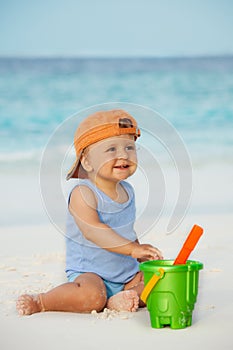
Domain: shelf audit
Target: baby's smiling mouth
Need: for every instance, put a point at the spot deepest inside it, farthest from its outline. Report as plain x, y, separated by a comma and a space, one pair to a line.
122, 166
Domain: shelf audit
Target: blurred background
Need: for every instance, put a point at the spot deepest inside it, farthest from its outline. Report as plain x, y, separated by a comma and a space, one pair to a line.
59, 57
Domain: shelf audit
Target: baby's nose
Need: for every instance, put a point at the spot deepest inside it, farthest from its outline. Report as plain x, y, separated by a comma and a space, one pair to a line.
122, 153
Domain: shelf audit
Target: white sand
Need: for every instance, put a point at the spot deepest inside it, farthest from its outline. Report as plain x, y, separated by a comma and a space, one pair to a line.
32, 260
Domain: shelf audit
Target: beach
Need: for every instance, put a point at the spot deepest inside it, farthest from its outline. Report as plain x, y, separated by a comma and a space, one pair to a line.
196, 97
29, 265
33, 261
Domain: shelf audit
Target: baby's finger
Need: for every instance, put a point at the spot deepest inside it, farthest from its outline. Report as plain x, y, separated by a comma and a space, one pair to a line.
158, 254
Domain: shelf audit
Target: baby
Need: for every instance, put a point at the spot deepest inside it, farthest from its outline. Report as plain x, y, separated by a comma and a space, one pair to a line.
102, 249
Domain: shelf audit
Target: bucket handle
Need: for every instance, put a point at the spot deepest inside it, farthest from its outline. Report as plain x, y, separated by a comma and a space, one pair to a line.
150, 285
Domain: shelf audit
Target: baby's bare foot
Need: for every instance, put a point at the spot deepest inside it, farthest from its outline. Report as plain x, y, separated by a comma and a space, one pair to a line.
124, 301
28, 304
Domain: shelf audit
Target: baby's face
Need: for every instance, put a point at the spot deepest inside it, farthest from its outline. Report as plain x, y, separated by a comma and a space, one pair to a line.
113, 159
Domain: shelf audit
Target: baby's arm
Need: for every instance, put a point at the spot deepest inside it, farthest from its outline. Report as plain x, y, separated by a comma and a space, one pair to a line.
83, 208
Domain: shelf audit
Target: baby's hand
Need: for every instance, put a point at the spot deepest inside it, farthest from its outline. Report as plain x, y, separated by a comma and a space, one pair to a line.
145, 252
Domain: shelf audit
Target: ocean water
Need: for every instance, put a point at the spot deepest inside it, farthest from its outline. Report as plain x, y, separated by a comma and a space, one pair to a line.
194, 95
36, 95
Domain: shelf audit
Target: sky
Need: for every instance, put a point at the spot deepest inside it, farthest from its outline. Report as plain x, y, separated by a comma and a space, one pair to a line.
160, 28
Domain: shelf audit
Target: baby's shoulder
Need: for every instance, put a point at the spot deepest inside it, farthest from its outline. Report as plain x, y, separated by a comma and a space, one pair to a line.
84, 194
128, 187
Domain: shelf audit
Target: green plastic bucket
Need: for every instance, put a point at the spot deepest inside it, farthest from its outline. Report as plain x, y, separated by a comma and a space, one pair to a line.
171, 297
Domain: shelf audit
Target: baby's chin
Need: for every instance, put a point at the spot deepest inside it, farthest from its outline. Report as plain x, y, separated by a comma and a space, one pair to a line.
123, 173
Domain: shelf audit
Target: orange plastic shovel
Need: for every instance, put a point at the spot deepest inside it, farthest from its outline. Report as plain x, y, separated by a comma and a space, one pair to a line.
189, 245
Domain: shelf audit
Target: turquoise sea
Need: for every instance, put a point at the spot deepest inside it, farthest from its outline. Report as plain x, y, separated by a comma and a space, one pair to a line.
194, 94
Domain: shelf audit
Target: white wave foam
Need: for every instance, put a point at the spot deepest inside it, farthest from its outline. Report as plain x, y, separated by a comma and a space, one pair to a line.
9, 157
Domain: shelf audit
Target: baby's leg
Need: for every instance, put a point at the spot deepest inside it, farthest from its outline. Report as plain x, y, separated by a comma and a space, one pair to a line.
85, 294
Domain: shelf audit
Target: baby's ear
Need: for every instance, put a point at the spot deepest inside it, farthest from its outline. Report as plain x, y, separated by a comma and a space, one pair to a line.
85, 164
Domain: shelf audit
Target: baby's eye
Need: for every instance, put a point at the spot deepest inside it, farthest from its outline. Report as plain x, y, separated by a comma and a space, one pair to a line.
111, 149
130, 148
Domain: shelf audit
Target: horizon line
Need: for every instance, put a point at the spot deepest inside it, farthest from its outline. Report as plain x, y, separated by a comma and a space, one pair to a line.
42, 56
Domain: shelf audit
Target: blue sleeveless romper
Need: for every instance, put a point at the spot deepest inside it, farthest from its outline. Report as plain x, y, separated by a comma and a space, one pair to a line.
84, 256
